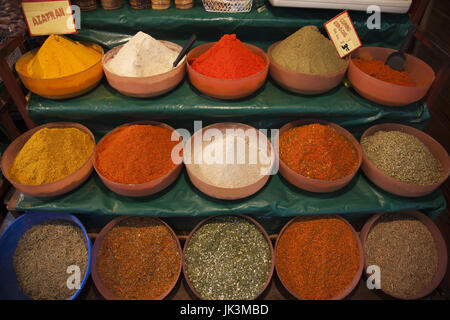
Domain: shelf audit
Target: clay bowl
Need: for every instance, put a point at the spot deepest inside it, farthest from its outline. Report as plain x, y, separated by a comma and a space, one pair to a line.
219, 192
227, 89
64, 87
104, 291
145, 87
441, 249
386, 93
251, 220
303, 83
56, 188
358, 273
141, 189
316, 185
394, 186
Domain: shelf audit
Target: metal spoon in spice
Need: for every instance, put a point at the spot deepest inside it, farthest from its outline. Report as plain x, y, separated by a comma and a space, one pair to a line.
185, 49
397, 59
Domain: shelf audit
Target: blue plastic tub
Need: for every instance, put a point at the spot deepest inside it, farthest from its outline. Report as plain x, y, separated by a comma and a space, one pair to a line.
9, 286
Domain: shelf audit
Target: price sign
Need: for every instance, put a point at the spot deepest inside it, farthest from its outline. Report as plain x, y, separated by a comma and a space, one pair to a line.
48, 17
343, 34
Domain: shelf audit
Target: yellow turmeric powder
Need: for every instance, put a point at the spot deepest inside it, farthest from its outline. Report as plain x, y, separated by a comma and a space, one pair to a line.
60, 57
50, 155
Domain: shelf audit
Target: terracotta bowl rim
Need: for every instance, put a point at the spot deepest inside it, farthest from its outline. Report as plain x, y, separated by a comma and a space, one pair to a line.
441, 267
137, 185
355, 280
250, 220
254, 48
50, 125
104, 291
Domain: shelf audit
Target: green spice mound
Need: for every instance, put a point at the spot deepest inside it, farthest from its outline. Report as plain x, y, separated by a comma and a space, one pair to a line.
42, 256
404, 249
308, 51
228, 258
402, 157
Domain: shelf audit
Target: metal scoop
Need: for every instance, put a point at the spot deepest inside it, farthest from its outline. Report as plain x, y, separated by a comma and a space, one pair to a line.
397, 59
185, 49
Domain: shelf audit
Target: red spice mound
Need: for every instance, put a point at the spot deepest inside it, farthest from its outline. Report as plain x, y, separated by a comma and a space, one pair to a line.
228, 59
318, 151
139, 259
136, 154
377, 69
317, 257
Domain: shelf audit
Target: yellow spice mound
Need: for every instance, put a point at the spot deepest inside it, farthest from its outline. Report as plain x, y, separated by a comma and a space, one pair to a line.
50, 155
60, 57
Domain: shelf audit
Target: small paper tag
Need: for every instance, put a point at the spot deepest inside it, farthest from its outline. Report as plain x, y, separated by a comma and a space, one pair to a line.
48, 17
343, 34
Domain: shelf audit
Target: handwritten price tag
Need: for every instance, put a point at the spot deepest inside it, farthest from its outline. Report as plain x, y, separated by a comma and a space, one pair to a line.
343, 34
48, 17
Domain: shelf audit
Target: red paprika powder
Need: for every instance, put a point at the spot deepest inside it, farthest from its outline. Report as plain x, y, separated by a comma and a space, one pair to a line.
228, 59
318, 151
317, 257
377, 69
135, 154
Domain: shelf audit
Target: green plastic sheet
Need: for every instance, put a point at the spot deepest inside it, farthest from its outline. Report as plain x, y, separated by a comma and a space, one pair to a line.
112, 27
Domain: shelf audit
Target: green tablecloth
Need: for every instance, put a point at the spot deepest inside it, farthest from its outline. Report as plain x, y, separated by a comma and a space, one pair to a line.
111, 27
104, 108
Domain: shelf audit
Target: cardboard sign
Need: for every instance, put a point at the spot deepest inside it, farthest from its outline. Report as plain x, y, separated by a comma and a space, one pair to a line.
48, 17
343, 34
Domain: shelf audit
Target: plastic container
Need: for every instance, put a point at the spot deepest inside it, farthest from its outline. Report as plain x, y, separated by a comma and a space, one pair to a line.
260, 228
219, 192
56, 188
63, 87
141, 189
441, 249
104, 291
10, 288
384, 92
397, 187
145, 87
316, 185
303, 83
227, 89
358, 273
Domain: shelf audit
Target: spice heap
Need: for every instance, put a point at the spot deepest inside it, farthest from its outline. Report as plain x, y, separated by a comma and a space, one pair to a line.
50, 155
59, 57
142, 56
318, 151
404, 249
377, 69
308, 51
43, 254
228, 258
135, 154
139, 259
317, 257
228, 59
228, 168
402, 157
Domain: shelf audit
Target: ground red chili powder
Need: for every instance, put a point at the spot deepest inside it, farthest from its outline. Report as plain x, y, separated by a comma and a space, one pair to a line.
228, 59
377, 69
135, 154
318, 151
317, 257
139, 259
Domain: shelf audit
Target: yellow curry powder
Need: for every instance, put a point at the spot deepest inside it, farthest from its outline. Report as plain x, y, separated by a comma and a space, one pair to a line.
60, 57
50, 155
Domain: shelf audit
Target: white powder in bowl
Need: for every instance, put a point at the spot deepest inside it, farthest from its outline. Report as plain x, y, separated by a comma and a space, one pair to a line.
142, 56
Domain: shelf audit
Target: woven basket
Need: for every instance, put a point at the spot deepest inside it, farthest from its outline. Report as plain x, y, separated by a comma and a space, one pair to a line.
227, 5
111, 4
160, 4
86, 5
184, 4
140, 4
